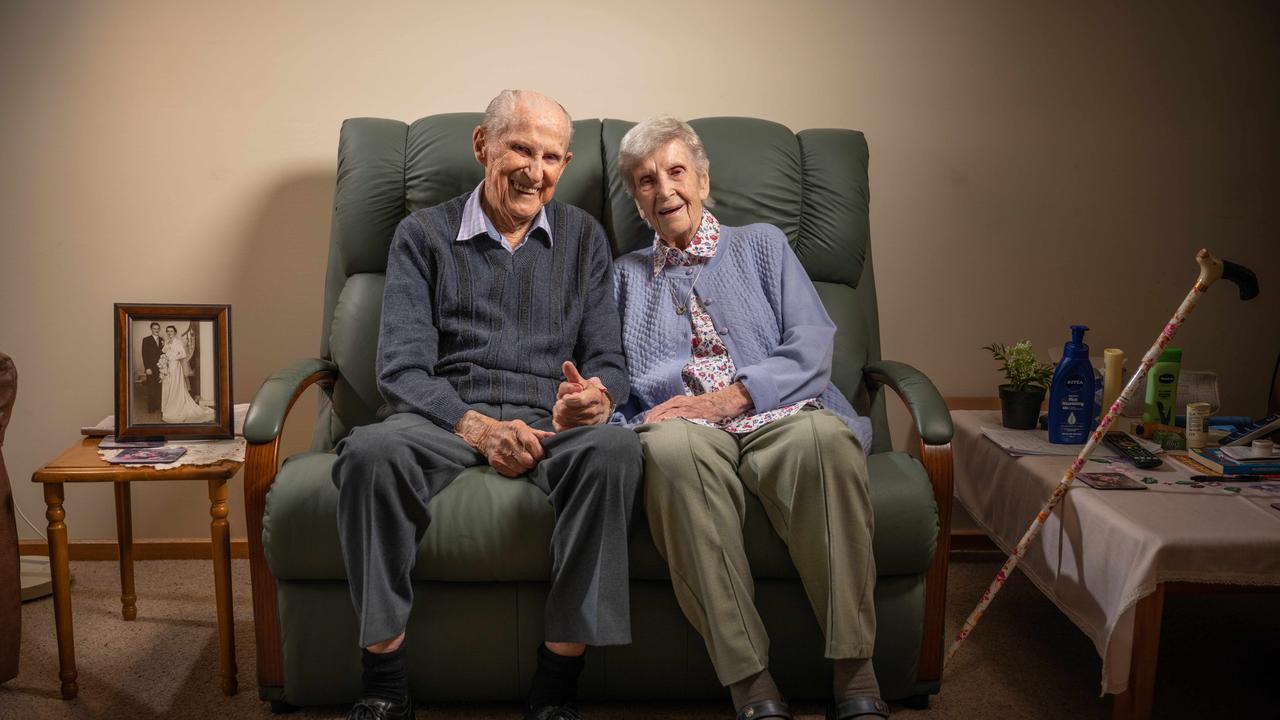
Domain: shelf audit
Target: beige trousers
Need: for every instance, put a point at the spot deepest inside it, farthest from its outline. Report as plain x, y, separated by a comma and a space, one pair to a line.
811, 476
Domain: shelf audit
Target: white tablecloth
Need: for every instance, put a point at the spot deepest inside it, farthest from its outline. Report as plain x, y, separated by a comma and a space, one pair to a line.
1103, 550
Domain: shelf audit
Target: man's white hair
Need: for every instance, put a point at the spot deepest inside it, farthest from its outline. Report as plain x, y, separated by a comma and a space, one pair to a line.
646, 138
501, 113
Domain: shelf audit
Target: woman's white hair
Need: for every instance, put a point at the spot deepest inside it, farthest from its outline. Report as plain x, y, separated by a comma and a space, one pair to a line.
646, 138
501, 113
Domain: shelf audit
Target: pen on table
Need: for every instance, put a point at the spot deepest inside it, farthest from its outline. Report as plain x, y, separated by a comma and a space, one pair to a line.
1227, 478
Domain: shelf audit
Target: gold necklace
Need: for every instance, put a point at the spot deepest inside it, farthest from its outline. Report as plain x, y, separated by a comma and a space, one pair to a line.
682, 307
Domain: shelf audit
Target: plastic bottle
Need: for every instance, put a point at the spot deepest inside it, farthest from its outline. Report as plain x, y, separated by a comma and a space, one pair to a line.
1162, 388
1071, 393
1113, 379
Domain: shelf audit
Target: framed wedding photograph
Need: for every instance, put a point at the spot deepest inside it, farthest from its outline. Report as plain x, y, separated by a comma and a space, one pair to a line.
173, 371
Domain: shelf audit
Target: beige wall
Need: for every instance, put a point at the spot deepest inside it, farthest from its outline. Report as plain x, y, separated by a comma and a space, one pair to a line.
1033, 165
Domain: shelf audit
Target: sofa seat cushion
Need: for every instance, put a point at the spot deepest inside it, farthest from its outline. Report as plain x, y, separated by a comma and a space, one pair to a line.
489, 528
484, 527
906, 527
906, 515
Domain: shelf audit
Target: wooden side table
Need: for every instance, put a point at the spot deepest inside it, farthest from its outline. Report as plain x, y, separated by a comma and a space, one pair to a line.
81, 463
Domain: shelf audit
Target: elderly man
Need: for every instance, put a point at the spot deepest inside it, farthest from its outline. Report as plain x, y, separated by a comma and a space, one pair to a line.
490, 298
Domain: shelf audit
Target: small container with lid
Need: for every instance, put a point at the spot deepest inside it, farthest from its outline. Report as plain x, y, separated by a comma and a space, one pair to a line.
1198, 424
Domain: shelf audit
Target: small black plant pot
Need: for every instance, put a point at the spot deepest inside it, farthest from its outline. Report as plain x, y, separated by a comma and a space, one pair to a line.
1020, 409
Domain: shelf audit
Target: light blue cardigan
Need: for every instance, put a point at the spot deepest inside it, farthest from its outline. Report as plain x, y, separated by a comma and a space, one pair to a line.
764, 307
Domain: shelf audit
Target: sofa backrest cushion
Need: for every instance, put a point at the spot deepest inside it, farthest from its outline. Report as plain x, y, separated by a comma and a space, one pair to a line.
762, 172
813, 185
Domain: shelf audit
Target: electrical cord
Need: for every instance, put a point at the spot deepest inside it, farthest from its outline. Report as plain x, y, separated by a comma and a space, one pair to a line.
28, 522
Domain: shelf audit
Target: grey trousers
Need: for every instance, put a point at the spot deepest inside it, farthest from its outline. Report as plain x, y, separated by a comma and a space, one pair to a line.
811, 476
387, 473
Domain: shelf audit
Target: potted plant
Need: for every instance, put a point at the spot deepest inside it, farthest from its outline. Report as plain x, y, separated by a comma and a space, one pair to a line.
1021, 397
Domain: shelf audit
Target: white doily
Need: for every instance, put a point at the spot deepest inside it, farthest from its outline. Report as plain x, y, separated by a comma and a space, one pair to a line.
199, 452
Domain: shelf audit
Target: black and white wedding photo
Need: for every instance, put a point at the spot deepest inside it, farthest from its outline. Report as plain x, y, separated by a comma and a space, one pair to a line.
173, 370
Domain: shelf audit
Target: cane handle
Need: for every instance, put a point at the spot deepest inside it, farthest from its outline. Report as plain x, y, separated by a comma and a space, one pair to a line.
1210, 268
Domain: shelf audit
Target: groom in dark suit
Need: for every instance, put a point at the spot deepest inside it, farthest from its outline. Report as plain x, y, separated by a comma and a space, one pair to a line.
152, 346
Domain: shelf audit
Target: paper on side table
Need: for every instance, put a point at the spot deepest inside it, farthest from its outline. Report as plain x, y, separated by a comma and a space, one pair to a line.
1036, 442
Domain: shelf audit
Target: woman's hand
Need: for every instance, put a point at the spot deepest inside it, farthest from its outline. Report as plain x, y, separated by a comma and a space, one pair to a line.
511, 447
715, 406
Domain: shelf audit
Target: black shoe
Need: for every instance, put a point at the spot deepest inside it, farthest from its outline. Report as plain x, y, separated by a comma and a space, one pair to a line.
379, 709
765, 709
863, 706
552, 712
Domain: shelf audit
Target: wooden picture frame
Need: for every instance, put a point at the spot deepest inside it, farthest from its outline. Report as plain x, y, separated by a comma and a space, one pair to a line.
173, 371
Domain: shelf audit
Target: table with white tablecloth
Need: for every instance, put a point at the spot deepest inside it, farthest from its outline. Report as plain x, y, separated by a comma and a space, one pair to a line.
1102, 551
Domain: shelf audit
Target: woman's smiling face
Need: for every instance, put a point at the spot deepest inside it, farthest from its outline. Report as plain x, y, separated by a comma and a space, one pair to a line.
669, 192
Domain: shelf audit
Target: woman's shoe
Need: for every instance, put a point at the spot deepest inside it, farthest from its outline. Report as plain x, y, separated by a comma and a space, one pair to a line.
859, 707
765, 709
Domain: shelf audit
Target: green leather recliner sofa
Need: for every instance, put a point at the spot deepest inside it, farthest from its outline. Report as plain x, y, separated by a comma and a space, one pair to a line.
481, 575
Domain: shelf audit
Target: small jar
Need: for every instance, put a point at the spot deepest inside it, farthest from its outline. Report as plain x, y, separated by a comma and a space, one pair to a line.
1198, 424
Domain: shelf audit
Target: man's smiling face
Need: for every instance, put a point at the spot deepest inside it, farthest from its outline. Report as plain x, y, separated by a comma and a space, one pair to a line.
522, 167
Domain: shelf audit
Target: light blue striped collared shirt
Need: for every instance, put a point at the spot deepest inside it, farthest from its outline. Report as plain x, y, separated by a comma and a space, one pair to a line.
475, 222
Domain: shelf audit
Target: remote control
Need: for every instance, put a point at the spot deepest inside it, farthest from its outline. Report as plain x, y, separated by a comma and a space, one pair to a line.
1131, 450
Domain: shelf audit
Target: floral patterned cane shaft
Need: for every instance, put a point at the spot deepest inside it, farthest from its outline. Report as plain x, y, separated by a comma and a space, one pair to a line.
1170, 329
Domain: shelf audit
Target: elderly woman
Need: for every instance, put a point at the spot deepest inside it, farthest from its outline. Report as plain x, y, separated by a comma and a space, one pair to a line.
729, 352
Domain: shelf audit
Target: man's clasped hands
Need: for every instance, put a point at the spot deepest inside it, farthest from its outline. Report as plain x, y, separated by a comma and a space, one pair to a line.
512, 447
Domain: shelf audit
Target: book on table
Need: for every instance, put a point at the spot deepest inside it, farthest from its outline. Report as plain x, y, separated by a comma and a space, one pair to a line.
1218, 461
107, 425
1250, 454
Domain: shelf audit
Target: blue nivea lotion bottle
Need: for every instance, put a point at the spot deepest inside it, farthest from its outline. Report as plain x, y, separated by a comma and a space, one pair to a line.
1071, 393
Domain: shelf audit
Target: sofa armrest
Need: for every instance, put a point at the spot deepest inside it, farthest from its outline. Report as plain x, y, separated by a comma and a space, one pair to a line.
271, 403
262, 427
928, 409
933, 423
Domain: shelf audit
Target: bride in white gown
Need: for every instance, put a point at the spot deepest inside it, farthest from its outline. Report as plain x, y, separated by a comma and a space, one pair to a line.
176, 404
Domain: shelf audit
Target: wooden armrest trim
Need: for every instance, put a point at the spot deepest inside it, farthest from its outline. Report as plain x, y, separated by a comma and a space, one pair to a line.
262, 460
937, 460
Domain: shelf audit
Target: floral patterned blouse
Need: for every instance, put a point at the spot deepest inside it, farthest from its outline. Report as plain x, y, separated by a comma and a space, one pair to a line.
710, 368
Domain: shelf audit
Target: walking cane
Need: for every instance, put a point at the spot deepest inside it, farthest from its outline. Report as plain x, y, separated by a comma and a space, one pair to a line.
1211, 269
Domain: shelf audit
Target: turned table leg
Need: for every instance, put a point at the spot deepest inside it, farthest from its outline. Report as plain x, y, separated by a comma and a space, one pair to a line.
60, 570
124, 538
221, 534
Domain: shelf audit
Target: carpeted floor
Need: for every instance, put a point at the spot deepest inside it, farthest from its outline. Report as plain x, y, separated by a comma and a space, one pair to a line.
1220, 657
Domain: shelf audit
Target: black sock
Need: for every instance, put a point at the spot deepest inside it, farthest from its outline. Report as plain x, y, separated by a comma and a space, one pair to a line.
555, 682
754, 688
854, 677
384, 676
